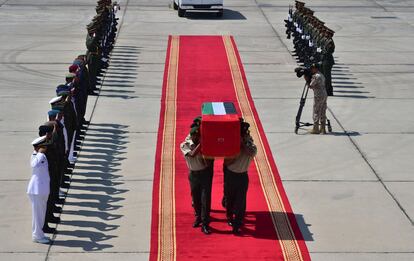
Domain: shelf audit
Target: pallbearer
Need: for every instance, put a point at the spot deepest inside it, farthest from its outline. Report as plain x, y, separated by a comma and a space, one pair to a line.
200, 177
237, 180
220, 132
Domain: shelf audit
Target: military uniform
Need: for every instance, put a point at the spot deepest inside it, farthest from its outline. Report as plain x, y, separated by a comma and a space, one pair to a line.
38, 190
237, 182
59, 138
328, 62
100, 39
93, 56
71, 125
317, 84
200, 178
81, 92
312, 41
54, 175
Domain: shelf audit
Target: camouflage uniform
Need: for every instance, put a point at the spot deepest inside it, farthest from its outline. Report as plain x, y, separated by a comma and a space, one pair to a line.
317, 84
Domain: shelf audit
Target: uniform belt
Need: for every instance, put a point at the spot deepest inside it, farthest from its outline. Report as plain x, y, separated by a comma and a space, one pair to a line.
199, 171
232, 172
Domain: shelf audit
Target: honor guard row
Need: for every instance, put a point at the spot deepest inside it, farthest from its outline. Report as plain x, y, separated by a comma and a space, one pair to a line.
54, 152
312, 40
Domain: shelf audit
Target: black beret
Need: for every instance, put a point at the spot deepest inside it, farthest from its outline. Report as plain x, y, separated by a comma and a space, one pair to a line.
43, 129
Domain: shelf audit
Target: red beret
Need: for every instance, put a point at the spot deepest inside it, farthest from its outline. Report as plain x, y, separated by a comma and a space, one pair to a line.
73, 68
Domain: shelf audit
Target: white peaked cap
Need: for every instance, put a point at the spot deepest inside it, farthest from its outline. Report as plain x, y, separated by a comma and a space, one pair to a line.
56, 99
39, 140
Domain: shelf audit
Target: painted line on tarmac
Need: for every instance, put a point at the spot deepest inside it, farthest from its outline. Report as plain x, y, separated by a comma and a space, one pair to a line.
364, 157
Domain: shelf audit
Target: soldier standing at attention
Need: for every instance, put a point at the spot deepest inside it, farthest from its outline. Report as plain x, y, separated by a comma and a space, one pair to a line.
69, 118
54, 117
53, 165
93, 57
328, 61
317, 84
237, 179
200, 177
38, 189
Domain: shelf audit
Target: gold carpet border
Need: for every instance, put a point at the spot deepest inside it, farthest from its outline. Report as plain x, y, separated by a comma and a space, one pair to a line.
281, 222
166, 222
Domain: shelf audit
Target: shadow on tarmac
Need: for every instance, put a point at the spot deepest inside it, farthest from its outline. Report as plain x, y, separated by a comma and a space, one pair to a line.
257, 225
228, 14
121, 74
345, 86
94, 191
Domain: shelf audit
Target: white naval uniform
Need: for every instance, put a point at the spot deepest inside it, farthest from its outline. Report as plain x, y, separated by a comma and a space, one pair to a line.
38, 191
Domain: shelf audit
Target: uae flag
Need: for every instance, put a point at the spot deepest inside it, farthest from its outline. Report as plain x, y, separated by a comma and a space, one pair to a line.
218, 108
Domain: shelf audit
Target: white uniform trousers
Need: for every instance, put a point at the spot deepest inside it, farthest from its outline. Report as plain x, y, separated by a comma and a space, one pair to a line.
39, 203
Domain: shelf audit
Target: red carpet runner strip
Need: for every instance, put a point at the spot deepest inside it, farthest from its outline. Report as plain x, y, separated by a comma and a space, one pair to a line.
208, 69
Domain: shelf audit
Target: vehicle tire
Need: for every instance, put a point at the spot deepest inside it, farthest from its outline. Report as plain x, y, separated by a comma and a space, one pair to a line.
181, 12
175, 5
220, 13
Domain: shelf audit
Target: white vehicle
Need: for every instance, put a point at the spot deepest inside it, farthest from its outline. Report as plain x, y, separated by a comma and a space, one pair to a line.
184, 5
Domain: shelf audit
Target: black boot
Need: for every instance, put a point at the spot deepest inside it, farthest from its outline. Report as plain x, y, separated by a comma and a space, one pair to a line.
197, 222
47, 229
205, 229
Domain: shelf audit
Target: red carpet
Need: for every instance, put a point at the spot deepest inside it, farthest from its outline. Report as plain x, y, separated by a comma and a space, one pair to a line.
201, 69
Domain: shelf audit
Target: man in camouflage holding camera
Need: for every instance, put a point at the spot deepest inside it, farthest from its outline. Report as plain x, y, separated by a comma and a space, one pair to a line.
317, 83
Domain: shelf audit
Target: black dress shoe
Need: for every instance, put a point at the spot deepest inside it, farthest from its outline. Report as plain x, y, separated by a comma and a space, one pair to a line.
205, 229
54, 220
49, 230
60, 201
65, 185
197, 222
236, 230
223, 202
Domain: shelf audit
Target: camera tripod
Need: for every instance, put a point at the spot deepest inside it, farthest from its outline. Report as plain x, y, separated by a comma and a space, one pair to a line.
300, 124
